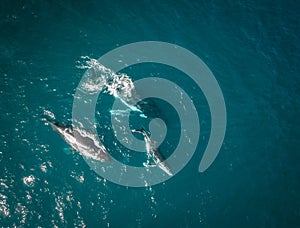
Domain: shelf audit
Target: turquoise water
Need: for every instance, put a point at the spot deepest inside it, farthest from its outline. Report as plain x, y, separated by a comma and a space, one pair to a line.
251, 47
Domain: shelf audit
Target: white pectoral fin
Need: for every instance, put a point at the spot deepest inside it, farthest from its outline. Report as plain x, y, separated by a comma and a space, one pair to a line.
148, 165
68, 150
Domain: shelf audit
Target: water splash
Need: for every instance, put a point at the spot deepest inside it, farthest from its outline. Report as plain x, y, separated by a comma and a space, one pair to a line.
4, 208
49, 114
102, 79
29, 181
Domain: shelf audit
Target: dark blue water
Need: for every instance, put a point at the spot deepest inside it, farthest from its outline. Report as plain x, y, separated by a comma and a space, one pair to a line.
251, 47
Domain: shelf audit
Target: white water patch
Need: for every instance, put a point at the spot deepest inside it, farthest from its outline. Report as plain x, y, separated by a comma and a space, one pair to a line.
49, 114
102, 79
43, 167
23, 212
76, 176
4, 208
29, 181
59, 207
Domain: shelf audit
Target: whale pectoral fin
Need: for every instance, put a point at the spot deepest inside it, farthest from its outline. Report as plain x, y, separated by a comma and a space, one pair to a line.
148, 165
143, 115
68, 150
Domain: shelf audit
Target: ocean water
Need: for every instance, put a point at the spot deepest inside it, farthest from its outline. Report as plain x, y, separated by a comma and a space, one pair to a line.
251, 47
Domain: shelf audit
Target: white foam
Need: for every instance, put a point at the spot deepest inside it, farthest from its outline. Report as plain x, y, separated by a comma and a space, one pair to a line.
102, 79
29, 181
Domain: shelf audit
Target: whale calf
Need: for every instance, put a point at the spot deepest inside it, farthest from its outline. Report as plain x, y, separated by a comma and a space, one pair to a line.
153, 152
81, 141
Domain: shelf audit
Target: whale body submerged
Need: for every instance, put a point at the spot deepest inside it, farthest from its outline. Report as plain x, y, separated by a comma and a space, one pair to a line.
154, 153
81, 141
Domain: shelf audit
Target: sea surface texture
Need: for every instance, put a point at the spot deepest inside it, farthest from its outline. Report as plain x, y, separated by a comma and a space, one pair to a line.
251, 47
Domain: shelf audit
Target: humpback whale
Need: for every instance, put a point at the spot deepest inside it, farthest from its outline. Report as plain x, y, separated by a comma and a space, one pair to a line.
153, 152
81, 141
